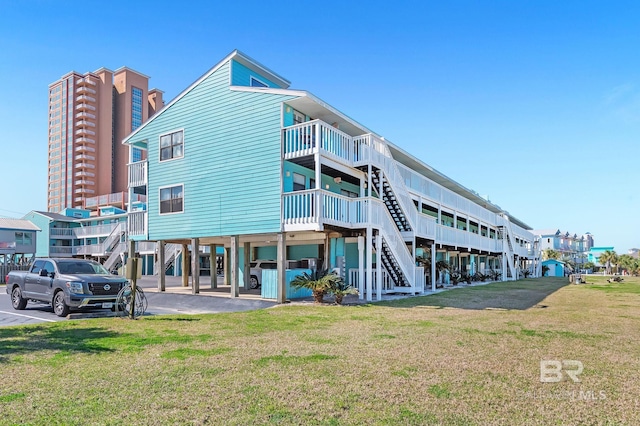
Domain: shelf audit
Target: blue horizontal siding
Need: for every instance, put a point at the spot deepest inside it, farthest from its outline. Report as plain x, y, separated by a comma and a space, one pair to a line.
241, 76
231, 169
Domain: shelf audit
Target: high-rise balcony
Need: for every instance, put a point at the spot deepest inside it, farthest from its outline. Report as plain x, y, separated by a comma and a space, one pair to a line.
84, 148
85, 157
85, 182
85, 114
85, 98
83, 106
85, 80
84, 140
85, 132
83, 165
85, 174
85, 123
83, 190
85, 90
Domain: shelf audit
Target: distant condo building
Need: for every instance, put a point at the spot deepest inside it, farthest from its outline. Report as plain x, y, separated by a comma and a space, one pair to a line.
89, 116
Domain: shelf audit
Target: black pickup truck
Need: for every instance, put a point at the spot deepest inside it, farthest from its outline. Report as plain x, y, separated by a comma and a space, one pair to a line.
65, 283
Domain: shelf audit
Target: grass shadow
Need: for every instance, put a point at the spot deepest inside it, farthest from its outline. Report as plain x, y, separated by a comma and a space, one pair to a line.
17, 341
519, 295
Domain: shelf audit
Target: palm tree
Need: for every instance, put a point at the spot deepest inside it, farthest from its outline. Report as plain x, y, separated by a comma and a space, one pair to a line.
319, 282
550, 254
608, 258
626, 262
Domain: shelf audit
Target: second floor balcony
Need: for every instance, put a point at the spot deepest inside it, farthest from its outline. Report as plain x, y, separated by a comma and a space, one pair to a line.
138, 174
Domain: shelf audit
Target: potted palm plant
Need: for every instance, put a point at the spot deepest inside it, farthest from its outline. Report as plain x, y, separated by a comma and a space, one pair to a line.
340, 288
319, 282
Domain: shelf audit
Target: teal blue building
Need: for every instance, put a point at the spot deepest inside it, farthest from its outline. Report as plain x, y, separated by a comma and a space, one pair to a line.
242, 164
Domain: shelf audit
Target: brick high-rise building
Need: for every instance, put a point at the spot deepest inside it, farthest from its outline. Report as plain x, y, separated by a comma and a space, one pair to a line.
89, 116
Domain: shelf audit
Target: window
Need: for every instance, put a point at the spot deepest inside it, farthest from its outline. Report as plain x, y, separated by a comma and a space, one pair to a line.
37, 266
171, 199
24, 238
136, 155
298, 182
298, 117
254, 82
136, 108
171, 146
349, 194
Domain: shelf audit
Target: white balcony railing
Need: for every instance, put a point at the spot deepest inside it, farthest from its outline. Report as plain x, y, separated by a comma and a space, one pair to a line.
302, 139
138, 174
95, 231
62, 232
458, 238
57, 250
137, 224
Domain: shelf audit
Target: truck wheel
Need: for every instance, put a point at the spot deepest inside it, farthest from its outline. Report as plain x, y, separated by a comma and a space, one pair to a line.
253, 282
60, 308
17, 301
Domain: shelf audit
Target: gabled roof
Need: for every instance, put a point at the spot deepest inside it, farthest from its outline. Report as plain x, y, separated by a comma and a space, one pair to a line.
55, 216
235, 55
17, 224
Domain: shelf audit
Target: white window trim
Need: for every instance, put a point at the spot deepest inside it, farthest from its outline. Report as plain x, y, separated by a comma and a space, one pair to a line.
160, 160
183, 199
266, 86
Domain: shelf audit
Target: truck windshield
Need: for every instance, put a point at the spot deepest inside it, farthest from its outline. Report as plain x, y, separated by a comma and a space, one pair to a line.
92, 268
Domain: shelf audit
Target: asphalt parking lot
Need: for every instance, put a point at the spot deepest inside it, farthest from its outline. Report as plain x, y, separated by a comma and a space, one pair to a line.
158, 304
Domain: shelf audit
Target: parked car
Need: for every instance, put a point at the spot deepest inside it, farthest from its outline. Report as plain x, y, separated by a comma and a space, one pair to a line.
66, 284
256, 271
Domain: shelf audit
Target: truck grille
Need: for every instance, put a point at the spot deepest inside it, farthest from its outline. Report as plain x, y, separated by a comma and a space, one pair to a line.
99, 290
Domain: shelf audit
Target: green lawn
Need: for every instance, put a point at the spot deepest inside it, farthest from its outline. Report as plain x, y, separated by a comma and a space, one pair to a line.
467, 356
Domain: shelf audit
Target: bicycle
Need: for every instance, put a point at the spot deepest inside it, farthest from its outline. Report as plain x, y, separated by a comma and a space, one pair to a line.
124, 299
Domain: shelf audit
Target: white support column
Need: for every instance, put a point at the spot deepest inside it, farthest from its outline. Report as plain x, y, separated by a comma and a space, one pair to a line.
281, 292
185, 265
413, 253
234, 266
318, 177
213, 264
327, 252
433, 266
246, 270
361, 269
161, 271
225, 266
368, 254
378, 268
195, 265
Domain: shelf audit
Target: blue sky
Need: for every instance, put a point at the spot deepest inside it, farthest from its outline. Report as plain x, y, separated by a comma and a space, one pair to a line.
533, 103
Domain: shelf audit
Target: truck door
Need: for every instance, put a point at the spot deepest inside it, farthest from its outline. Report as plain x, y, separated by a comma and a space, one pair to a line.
45, 283
31, 278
